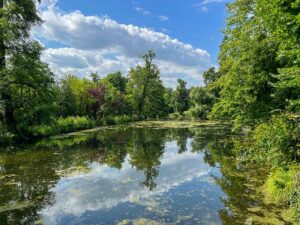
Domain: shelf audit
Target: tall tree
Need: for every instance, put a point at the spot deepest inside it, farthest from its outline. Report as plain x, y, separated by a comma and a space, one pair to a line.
117, 80
16, 20
180, 97
145, 87
257, 52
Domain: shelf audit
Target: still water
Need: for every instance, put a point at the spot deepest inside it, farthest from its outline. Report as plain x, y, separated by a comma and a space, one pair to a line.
130, 175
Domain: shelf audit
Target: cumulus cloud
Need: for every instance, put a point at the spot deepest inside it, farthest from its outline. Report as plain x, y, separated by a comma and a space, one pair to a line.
80, 193
101, 44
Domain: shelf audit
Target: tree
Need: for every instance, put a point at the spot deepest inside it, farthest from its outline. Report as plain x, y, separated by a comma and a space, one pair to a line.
248, 62
180, 97
117, 80
75, 97
95, 77
201, 103
16, 19
145, 87
31, 87
210, 77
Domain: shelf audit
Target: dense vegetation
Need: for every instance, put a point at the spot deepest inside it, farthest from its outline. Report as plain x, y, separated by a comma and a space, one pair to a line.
34, 103
257, 88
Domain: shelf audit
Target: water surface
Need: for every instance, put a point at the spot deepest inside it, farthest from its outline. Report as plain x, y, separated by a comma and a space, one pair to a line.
131, 175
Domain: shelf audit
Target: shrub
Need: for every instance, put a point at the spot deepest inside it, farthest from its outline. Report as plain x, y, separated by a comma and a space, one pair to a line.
70, 123
197, 112
43, 130
278, 140
283, 187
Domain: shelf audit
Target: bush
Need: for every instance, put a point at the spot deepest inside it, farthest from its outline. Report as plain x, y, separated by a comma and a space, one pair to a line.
283, 187
278, 140
43, 130
197, 112
70, 123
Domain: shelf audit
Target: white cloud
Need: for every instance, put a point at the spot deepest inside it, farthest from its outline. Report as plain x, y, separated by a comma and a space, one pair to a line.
149, 14
206, 2
92, 43
142, 11
104, 188
163, 18
204, 9
202, 5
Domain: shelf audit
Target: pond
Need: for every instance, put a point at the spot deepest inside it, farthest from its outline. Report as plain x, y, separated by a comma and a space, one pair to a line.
132, 175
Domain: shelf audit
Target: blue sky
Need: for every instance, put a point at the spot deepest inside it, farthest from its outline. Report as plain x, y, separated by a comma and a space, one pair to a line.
83, 36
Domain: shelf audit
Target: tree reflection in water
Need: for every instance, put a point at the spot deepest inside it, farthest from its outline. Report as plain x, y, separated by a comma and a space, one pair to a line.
29, 174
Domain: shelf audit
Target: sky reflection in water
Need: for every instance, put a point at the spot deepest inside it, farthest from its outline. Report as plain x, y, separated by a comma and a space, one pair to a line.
104, 188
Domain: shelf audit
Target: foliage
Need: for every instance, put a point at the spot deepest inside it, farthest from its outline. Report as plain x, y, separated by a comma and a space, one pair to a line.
117, 80
259, 60
70, 123
283, 187
180, 97
277, 141
145, 88
201, 103
75, 98
21, 71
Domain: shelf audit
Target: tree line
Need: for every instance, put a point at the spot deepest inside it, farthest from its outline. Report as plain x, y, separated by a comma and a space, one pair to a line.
258, 85
34, 103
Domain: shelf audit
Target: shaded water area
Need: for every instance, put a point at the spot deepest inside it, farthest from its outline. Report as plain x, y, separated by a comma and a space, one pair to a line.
132, 175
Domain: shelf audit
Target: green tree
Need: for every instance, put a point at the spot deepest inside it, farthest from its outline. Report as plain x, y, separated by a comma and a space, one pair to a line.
210, 77
201, 103
145, 88
117, 80
75, 98
259, 61
180, 97
16, 20
31, 88
95, 77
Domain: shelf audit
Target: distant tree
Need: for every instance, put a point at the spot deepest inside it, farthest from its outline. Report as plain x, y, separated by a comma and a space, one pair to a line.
98, 98
201, 103
95, 77
117, 80
145, 87
210, 79
210, 76
180, 97
75, 97
168, 100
